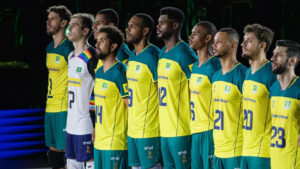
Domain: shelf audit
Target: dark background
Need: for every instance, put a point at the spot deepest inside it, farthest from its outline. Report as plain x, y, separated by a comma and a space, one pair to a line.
23, 37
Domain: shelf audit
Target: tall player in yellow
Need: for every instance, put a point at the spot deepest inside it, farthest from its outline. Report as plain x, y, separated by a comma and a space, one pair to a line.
200, 85
285, 107
258, 80
110, 17
173, 72
143, 120
111, 102
227, 100
57, 96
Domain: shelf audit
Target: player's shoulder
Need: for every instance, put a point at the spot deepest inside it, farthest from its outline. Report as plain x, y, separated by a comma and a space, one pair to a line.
154, 50
50, 46
68, 45
213, 63
275, 88
240, 70
185, 50
120, 68
124, 49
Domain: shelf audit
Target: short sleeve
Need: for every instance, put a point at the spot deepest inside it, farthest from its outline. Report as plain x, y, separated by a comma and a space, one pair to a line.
123, 53
121, 83
187, 61
67, 49
153, 62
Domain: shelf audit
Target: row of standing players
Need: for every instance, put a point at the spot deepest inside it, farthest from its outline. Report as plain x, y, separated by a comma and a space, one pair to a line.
184, 111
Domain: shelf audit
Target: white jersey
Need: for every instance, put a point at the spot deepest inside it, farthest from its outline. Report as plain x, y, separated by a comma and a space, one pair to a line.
80, 86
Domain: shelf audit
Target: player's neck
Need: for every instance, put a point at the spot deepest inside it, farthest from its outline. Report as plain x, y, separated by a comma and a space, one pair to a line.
79, 46
108, 62
203, 55
228, 62
58, 37
258, 62
285, 79
140, 46
171, 42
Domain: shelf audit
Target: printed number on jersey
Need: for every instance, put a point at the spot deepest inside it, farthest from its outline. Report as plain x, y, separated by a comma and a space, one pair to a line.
248, 120
277, 139
162, 95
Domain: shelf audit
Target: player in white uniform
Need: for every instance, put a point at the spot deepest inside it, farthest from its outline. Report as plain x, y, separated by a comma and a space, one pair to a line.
79, 147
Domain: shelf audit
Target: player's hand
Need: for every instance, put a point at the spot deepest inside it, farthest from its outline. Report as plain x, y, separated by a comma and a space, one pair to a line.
93, 136
299, 140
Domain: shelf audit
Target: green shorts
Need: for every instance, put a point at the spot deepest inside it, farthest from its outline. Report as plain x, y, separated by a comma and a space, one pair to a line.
227, 163
248, 162
176, 152
110, 159
202, 150
55, 130
144, 152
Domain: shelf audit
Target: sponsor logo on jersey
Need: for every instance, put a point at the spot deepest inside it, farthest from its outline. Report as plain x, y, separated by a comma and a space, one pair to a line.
227, 89
104, 86
137, 68
115, 158
287, 104
254, 89
78, 69
199, 80
168, 66
57, 59
148, 148
87, 142
183, 154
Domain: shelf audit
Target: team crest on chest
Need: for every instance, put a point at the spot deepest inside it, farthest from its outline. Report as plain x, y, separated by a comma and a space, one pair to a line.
287, 104
137, 68
254, 89
78, 69
104, 86
227, 89
199, 80
57, 59
168, 66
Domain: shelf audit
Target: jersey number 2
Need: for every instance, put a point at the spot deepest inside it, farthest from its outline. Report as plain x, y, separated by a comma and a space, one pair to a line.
162, 95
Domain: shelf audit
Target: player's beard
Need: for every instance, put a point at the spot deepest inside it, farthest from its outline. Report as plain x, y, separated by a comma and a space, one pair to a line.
165, 36
252, 55
54, 30
134, 39
102, 55
281, 68
221, 54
